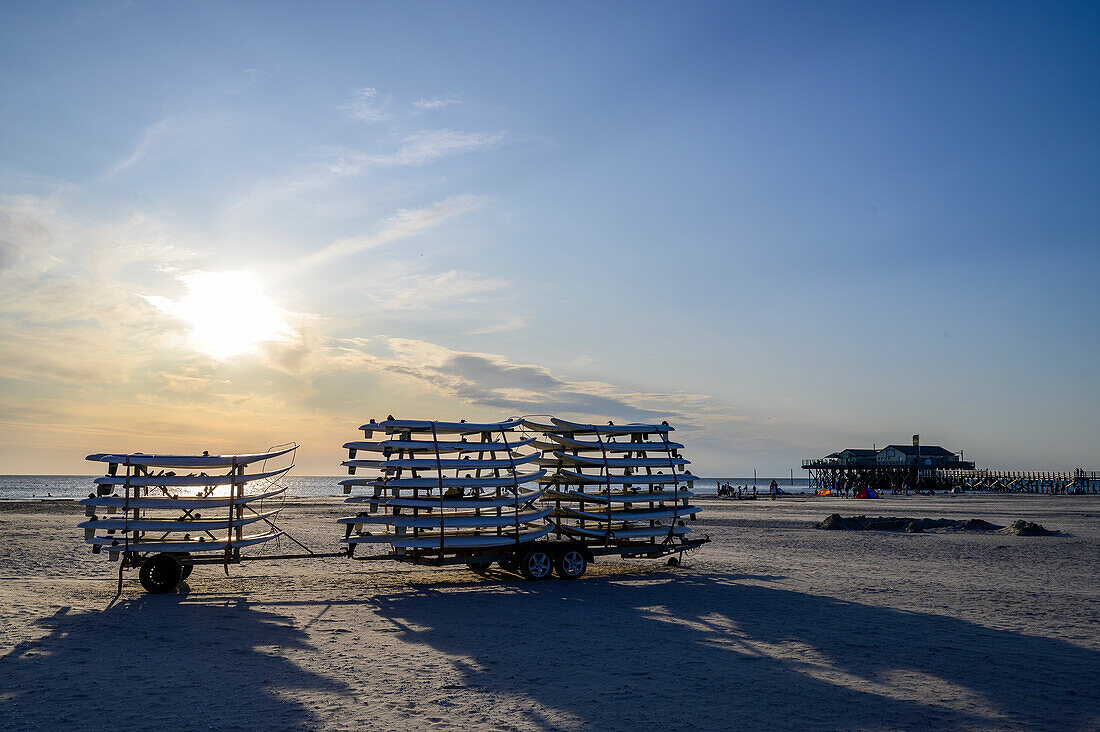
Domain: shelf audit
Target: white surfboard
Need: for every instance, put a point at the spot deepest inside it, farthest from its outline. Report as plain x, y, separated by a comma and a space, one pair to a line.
598, 462
653, 497
564, 425
572, 476
116, 544
186, 461
523, 498
430, 446
442, 464
624, 534
119, 524
611, 446
391, 426
464, 521
629, 515
473, 541
189, 502
187, 481
409, 483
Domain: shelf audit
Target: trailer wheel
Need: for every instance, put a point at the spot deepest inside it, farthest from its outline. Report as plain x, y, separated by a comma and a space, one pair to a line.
537, 564
481, 568
571, 564
187, 569
160, 574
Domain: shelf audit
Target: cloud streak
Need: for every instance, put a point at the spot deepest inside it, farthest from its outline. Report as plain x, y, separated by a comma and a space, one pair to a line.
437, 102
493, 381
404, 224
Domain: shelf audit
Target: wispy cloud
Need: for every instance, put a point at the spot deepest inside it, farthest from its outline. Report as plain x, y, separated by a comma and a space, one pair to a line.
402, 225
494, 381
418, 148
157, 135
437, 102
365, 104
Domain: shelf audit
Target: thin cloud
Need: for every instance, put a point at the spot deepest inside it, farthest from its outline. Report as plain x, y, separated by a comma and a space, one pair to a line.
437, 102
365, 105
493, 381
154, 136
402, 225
416, 149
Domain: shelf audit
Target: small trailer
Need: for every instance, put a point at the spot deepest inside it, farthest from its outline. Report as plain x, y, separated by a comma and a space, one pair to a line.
529, 497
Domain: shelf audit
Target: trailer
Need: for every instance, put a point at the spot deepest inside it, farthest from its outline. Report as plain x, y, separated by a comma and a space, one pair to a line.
432, 493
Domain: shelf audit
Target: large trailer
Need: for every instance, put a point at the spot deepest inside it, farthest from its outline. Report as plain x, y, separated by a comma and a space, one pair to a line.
531, 497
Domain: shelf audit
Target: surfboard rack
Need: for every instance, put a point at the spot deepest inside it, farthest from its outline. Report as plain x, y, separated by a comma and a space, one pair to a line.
535, 498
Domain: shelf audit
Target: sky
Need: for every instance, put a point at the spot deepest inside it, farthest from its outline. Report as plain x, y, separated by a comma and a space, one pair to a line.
786, 228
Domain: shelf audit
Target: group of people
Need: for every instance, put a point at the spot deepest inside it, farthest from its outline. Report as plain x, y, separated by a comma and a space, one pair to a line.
726, 490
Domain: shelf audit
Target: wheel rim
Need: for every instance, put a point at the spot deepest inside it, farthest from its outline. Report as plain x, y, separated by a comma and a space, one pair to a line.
573, 563
538, 564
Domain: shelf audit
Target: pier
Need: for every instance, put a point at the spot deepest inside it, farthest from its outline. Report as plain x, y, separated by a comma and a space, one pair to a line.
897, 468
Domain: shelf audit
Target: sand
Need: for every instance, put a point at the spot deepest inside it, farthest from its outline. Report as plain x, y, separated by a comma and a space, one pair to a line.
773, 625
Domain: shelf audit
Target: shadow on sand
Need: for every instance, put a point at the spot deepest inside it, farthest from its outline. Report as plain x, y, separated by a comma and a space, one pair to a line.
158, 662
661, 649
727, 651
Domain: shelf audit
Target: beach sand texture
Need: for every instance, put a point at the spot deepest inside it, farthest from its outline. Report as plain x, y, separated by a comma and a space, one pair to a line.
773, 625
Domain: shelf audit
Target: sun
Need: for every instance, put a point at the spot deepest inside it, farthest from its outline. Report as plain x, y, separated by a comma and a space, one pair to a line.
228, 313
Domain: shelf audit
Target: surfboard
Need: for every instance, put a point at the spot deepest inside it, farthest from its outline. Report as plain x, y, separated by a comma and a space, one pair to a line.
609, 429
188, 502
187, 461
624, 534
473, 541
391, 426
409, 483
187, 481
119, 524
567, 476
658, 462
389, 446
449, 521
629, 515
115, 544
609, 446
444, 464
621, 497
521, 499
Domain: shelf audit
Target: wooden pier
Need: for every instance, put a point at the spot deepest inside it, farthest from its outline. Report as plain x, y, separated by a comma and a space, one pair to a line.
825, 474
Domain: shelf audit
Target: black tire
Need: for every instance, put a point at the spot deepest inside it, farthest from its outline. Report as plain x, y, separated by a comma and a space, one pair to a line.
537, 564
187, 568
481, 568
160, 574
571, 563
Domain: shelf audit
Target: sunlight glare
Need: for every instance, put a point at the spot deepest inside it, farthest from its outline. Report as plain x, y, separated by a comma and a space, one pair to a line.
228, 312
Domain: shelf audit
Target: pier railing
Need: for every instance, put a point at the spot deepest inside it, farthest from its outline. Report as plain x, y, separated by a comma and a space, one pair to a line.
831, 474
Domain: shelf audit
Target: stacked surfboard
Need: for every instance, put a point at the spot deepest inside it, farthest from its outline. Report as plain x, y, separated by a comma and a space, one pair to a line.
615, 484
444, 488
182, 504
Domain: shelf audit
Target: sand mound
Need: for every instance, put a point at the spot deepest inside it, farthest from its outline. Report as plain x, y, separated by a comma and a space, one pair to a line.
1019, 527
836, 522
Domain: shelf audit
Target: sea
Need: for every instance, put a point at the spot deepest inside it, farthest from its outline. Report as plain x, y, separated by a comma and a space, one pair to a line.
24, 487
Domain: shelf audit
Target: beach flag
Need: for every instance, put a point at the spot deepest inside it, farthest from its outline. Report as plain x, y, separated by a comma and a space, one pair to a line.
916, 440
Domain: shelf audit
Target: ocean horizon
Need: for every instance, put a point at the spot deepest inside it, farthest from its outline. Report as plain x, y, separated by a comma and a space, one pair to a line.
26, 487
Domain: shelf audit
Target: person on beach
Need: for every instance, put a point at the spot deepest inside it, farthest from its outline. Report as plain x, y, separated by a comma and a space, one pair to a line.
774, 489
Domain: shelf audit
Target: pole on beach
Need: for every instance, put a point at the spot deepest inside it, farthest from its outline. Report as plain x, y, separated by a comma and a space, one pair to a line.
754, 477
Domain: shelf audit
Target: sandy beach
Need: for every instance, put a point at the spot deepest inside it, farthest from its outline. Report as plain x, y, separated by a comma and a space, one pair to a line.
773, 625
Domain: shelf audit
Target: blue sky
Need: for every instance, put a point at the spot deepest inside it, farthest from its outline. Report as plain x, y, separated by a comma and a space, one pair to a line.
788, 228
